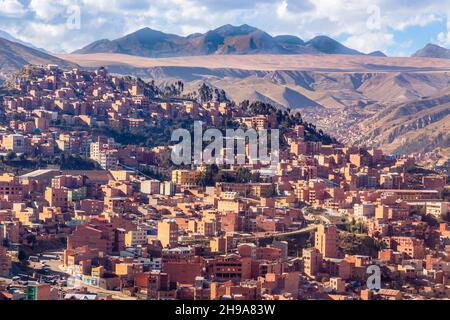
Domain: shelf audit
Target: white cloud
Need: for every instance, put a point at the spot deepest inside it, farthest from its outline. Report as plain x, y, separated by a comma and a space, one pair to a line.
44, 9
444, 38
418, 20
350, 19
282, 9
11, 9
369, 42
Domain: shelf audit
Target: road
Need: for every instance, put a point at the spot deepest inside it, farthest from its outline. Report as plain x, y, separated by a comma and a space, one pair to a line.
56, 267
311, 218
279, 234
261, 236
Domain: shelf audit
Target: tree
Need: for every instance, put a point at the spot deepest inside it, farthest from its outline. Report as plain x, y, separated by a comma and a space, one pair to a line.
244, 175
11, 155
205, 93
272, 192
220, 96
209, 176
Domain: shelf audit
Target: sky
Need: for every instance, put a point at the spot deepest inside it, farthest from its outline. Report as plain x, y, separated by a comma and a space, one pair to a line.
398, 28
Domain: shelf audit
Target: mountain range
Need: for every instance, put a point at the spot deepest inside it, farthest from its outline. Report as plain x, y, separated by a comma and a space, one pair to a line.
227, 39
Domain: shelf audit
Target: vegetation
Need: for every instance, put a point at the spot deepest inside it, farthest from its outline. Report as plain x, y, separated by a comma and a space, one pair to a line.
354, 244
353, 226
147, 137
152, 173
286, 120
213, 174
419, 170
71, 162
14, 163
38, 246
206, 93
173, 90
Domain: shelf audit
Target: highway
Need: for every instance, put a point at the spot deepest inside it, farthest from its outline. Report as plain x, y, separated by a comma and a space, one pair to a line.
53, 267
312, 227
57, 268
279, 234
253, 237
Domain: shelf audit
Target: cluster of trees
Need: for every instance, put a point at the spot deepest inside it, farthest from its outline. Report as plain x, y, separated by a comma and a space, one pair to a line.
286, 119
12, 162
149, 136
151, 90
353, 244
220, 95
146, 137
68, 161
149, 172
213, 174
206, 93
355, 227
173, 90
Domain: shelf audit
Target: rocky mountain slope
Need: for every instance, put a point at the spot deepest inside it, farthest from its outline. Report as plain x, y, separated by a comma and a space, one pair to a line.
13, 56
417, 126
7, 36
399, 104
433, 51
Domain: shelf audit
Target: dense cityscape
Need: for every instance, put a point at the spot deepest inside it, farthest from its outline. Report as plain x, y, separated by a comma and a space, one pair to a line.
93, 208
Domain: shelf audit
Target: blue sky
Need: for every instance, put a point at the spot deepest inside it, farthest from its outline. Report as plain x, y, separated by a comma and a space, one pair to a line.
397, 27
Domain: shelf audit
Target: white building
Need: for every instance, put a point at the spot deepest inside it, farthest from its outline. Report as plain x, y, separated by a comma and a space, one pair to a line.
365, 209
150, 186
438, 209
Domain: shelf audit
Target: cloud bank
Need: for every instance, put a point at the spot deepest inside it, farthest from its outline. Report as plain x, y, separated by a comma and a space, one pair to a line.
362, 24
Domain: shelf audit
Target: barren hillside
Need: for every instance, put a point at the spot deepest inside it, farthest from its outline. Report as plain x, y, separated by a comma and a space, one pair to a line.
397, 103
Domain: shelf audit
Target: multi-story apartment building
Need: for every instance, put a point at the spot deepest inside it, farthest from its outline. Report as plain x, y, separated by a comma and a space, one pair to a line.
326, 241
168, 232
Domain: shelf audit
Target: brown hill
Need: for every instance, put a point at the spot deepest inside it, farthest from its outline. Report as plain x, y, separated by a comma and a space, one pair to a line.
433, 51
362, 99
418, 126
13, 56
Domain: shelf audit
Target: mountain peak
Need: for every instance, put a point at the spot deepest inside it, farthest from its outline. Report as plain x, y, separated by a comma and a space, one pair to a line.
230, 30
433, 51
432, 45
377, 54
148, 32
325, 44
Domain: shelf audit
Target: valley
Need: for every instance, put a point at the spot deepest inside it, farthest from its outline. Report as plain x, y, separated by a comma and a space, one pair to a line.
372, 101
